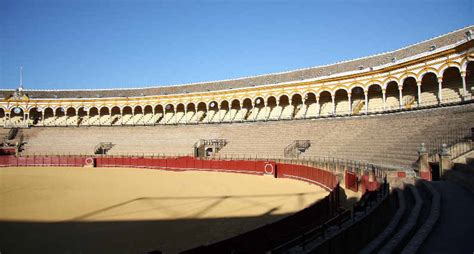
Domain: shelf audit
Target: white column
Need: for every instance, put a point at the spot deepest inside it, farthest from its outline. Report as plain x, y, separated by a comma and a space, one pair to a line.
440, 89
418, 84
384, 97
400, 96
366, 106
318, 108
333, 97
349, 99
464, 86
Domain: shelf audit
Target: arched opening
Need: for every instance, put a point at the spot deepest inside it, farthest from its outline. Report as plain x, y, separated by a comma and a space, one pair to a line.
325, 102
429, 90
223, 112
287, 107
452, 85
127, 114
159, 114
410, 93
235, 109
116, 116
3, 116
299, 107
137, 118
93, 116
48, 117
104, 116
200, 113
342, 102
147, 115
258, 105
71, 116
213, 107
264, 111
34, 116
16, 116
357, 100
70, 112
190, 111
245, 110
61, 117
275, 109
60, 112
310, 101
169, 114
375, 98
470, 80
81, 113
179, 113
392, 96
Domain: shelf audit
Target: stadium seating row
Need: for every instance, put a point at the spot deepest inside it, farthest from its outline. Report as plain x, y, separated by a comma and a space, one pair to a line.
389, 139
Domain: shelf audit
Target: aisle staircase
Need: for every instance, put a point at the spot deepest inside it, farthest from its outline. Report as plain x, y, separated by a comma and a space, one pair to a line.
296, 148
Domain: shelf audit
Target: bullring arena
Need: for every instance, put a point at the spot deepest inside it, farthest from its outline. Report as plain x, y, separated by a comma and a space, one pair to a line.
368, 155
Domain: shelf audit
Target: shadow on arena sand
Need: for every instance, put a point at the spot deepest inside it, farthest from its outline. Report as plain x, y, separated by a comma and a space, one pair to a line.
132, 236
169, 236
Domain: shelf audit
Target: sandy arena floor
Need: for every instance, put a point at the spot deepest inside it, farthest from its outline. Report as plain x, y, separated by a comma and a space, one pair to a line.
77, 210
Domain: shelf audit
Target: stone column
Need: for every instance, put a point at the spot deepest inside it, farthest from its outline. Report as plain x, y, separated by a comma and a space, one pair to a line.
349, 98
464, 86
440, 90
418, 85
318, 108
423, 164
384, 97
400, 96
333, 97
366, 106
445, 163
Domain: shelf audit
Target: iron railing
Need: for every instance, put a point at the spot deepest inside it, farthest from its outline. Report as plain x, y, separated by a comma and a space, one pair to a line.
456, 143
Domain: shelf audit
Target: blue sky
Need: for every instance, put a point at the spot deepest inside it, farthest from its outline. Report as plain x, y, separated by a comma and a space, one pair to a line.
106, 44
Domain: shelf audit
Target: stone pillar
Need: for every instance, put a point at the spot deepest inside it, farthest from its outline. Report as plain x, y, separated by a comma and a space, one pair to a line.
333, 97
418, 85
423, 164
400, 96
318, 108
42, 117
366, 106
440, 90
464, 86
349, 98
445, 162
384, 97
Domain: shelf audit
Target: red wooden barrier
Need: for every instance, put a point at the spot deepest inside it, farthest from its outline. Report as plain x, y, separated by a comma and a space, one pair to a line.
305, 173
300, 172
351, 181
